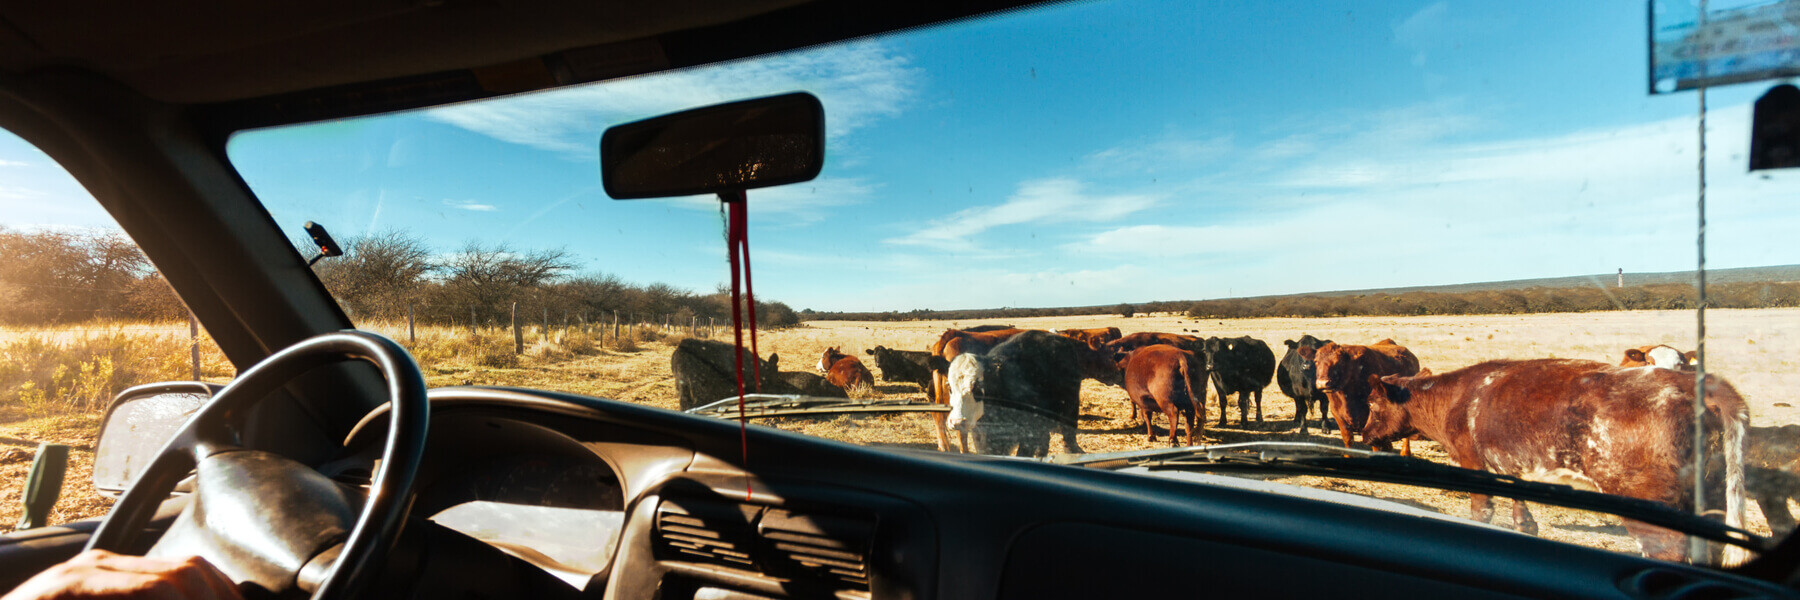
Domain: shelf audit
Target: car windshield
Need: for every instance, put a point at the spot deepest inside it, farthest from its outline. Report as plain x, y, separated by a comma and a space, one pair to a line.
1417, 186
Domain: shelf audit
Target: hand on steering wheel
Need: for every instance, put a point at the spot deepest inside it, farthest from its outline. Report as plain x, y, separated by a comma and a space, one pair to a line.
262, 518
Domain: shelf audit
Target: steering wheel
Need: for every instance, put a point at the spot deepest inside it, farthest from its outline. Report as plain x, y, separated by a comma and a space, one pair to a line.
263, 518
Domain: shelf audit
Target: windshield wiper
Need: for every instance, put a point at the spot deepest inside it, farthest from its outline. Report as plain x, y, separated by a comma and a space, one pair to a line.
1305, 458
758, 406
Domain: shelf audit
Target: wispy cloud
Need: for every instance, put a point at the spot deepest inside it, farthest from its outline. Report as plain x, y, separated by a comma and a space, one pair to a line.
798, 203
1166, 152
470, 205
1044, 201
13, 163
1452, 212
858, 83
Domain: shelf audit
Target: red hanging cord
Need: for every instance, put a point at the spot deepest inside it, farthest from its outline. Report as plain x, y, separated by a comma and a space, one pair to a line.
737, 246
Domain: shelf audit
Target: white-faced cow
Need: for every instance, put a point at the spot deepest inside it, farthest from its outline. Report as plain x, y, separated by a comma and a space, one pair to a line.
846, 371
1661, 356
1242, 366
1297, 377
1012, 397
1587, 424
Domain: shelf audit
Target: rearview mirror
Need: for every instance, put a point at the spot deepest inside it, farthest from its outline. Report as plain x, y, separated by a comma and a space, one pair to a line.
137, 425
736, 146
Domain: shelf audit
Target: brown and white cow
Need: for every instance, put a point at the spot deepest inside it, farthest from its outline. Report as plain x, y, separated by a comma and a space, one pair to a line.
1343, 374
1162, 379
1582, 423
847, 372
949, 345
1660, 355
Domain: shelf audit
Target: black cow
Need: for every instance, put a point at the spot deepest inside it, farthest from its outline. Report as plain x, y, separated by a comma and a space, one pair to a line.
1297, 378
1241, 365
909, 366
1013, 396
802, 383
706, 372
986, 328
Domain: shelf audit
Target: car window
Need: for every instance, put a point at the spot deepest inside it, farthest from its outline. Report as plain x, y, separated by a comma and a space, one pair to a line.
1472, 182
84, 315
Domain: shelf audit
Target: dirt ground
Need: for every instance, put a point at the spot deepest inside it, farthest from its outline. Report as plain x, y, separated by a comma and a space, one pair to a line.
1754, 349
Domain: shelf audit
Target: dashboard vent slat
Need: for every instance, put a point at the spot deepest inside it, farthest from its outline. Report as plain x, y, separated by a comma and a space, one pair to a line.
831, 549
705, 532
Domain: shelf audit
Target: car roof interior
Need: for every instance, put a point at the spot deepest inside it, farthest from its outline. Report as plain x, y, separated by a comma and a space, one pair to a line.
125, 96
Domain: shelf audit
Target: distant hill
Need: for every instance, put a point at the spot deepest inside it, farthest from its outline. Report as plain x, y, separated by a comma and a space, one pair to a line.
1713, 276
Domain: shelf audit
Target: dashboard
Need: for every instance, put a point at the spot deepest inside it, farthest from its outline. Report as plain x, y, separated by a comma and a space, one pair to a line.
626, 501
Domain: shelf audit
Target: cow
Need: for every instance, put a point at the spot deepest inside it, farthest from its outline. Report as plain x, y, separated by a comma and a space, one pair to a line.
1149, 338
1241, 365
1581, 423
949, 345
908, 366
706, 372
1772, 472
846, 371
801, 383
987, 328
1662, 356
1093, 337
1161, 378
1013, 396
1296, 377
1342, 373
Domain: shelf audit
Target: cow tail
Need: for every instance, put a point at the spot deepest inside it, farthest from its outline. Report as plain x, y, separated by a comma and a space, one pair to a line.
1735, 421
1196, 396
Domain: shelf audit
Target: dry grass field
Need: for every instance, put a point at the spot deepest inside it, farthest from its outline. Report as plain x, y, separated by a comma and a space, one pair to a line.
1754, 349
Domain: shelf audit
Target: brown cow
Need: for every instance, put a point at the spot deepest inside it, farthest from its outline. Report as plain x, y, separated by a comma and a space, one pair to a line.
847, 372
1149, 338
1161, 377
1094, 337
949, 345
1660, 355
1343, 372
1582, 423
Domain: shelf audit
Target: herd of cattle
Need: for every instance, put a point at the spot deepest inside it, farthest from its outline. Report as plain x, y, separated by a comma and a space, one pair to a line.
1621, 429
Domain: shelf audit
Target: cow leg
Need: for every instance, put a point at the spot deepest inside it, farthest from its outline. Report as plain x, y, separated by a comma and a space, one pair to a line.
1175, 421
943, 433
1244, 408
1775, 511
1658, 543
1148, 428
1300, 410
1258, 393
1069, 443
1340, 410
962, 437
1522, 518
1481, 508
1406, 446
1219, 390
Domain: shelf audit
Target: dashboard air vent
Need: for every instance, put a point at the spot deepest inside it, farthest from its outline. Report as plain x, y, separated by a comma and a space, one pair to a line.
705, 532
830, 549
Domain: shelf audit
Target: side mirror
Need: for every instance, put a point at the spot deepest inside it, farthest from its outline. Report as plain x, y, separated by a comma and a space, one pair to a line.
137, 425
726, 147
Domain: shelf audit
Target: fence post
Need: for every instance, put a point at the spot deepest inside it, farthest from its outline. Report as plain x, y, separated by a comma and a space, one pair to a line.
615, 324
565, 331
471, 320
194, 342
545, 335
412, 333
518, 335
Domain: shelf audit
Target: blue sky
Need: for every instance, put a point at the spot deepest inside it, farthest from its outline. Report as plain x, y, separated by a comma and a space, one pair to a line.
1090, 153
